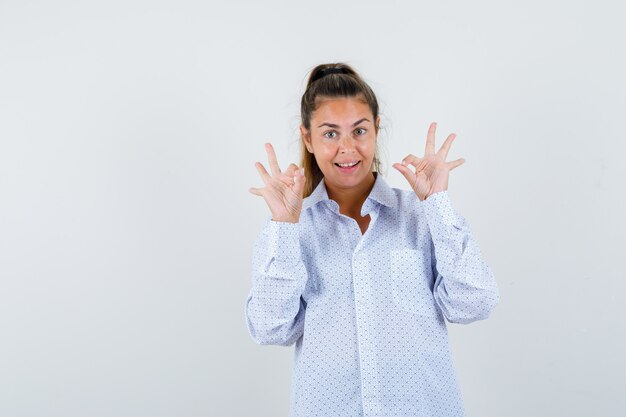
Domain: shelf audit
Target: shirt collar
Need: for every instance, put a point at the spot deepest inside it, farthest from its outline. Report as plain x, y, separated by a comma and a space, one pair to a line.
381, 193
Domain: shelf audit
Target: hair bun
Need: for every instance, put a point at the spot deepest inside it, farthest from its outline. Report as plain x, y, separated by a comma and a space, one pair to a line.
326, 71
331, 70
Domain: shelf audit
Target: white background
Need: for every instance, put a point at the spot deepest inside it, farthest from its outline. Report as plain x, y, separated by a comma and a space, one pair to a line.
128, 136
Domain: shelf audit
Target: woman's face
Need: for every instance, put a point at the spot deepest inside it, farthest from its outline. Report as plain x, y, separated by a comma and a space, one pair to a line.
343, 140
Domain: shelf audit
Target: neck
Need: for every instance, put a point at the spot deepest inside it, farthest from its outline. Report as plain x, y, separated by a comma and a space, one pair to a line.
350, 200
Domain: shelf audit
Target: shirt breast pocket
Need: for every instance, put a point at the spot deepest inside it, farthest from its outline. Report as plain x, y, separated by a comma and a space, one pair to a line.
412, 282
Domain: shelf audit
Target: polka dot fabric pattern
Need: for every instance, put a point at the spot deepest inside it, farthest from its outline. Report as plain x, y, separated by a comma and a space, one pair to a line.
367, 313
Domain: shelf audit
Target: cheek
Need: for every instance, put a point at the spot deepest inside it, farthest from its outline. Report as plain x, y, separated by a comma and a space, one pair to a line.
367, 149
325, 152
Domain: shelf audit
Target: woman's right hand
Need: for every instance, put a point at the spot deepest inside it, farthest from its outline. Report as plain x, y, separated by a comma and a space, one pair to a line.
283, 189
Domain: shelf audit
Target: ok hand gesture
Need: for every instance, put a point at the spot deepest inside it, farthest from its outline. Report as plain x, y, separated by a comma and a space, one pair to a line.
283, 190
432, 170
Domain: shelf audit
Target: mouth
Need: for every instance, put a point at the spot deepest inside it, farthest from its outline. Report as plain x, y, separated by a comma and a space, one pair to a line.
347, 167
348, 164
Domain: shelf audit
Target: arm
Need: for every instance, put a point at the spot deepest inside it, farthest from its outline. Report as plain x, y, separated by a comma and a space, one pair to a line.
274, 308
465, 289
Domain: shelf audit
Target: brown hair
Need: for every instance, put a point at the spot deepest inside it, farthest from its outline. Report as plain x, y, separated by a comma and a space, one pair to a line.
325, 81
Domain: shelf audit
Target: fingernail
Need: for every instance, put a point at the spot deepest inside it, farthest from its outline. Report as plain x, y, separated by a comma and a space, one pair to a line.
301, 171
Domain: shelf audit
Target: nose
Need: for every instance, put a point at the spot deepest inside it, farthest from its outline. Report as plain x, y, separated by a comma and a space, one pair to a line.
346, 145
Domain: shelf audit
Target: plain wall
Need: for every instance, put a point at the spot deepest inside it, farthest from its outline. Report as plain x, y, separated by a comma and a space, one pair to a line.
128, 136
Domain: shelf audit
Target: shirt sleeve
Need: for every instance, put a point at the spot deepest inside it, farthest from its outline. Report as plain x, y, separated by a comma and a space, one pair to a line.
274, 308
465, 289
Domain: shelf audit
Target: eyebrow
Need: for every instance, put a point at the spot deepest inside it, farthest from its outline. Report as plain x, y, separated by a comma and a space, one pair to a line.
334, 126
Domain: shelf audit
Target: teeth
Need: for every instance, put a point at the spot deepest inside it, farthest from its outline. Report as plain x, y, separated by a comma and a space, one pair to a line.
349, 164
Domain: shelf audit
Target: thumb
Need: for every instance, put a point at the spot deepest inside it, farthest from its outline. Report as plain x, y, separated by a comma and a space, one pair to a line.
299, 181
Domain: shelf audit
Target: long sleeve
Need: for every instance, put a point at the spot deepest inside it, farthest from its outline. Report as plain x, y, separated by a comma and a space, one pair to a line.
465, 289
274, 308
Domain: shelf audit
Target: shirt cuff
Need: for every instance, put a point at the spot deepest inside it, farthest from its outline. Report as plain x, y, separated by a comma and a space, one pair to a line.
438, 207
283, 239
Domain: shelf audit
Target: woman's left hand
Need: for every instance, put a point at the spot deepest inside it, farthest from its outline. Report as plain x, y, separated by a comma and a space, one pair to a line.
432, 170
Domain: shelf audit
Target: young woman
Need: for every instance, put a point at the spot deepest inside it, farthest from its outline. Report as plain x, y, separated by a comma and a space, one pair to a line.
361, 275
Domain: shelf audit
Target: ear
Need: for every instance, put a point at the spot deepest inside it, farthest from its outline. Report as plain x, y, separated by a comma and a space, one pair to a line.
377, 124
306, 138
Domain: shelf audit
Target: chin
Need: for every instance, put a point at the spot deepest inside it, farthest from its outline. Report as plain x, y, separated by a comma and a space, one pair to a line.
350, 182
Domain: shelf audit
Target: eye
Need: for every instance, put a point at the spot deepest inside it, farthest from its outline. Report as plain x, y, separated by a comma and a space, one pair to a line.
331, 134
360, 131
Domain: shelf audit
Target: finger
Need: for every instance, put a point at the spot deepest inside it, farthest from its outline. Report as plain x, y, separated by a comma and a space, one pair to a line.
255, 191
455, 163
411, 159
271, 156
430, 139
287, 177
262, 172
299, 180
443, 151
291, 169
406, 172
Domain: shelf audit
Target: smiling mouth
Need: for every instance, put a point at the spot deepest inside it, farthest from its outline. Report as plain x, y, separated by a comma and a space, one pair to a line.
347, 165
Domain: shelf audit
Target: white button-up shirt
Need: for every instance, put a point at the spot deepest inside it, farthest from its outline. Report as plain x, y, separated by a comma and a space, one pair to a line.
366, 312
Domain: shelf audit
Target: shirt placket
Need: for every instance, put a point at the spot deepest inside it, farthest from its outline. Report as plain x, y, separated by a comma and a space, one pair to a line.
363, 299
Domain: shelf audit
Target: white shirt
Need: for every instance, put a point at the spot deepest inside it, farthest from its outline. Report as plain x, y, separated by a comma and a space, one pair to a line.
366, 312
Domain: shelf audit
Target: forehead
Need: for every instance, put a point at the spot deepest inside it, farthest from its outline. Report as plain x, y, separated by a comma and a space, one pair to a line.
347, 109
